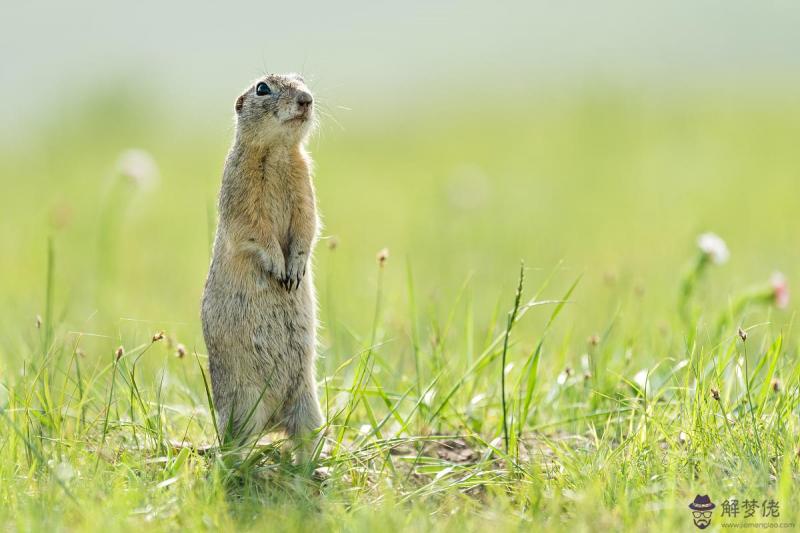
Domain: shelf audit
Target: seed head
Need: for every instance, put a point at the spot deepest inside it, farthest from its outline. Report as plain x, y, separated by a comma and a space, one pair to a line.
587, 376
382, 256
119, 352
158, 336
715, 393
593, 340
180, 351
742, 334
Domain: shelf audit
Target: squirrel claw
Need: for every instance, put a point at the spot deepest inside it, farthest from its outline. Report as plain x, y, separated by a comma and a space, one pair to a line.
291, 283
295, 270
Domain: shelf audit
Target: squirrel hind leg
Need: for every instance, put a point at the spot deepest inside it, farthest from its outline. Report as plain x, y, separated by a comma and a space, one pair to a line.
303, 425
243, 419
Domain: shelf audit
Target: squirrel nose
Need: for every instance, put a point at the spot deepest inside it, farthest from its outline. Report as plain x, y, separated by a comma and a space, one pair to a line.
304, 99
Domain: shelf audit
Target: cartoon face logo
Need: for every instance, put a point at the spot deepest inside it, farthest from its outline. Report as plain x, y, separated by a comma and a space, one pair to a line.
701, 511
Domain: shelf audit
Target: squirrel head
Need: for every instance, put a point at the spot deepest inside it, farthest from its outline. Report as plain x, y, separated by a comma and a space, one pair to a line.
275, 109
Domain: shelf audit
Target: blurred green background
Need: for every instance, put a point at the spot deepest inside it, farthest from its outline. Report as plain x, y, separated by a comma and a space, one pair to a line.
463, 137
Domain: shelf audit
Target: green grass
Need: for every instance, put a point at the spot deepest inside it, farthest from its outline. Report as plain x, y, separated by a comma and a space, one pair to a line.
462, 392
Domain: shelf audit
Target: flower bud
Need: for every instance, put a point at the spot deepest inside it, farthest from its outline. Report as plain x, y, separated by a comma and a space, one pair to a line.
382, 256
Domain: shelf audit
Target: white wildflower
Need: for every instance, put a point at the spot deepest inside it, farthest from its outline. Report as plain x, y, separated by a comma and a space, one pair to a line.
714, 247
428, 397
139, 167
642, 379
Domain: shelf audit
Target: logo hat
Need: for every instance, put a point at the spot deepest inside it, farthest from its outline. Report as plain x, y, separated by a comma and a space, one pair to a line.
702, 503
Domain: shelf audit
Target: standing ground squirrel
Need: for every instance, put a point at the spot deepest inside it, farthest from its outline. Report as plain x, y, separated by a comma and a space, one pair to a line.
259, 307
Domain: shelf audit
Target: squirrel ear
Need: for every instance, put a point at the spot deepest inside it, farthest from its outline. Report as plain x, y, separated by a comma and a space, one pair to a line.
239, 103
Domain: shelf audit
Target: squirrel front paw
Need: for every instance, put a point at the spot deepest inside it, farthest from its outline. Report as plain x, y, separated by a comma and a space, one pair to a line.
295, 270
272, 266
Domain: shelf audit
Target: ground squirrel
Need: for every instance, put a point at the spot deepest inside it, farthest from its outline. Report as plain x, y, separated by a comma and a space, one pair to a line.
259, 307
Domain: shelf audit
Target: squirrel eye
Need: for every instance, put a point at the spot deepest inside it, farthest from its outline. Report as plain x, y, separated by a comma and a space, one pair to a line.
262, 89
